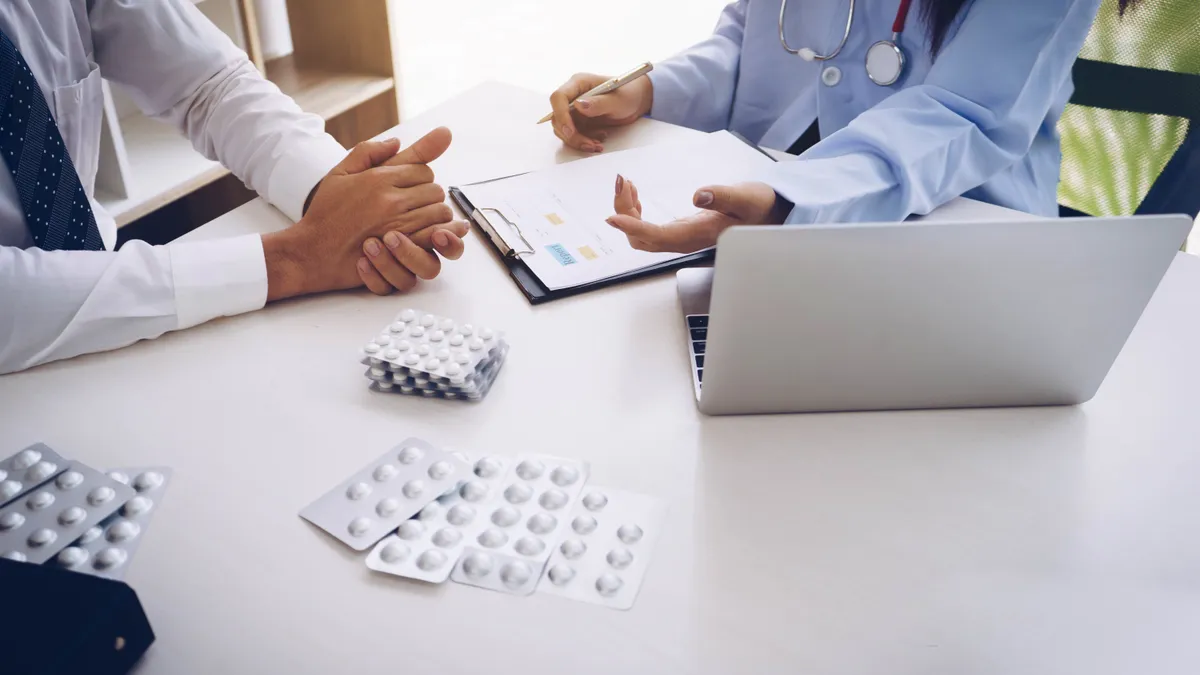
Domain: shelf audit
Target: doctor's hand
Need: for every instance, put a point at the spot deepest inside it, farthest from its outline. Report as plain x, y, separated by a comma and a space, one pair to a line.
723, 207
582, 127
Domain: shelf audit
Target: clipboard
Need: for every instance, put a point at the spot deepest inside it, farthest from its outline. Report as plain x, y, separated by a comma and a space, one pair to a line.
505, 237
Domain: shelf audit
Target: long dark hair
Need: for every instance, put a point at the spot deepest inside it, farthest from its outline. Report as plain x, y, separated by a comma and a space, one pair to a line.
939, 16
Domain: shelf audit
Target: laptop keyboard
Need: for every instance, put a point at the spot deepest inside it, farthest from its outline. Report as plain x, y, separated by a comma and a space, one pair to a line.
698, 327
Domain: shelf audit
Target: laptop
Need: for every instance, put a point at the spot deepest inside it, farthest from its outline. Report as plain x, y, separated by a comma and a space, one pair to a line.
919, 315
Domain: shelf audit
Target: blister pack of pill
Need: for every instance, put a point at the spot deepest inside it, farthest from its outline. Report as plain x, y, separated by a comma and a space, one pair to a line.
366, 507
605, 555
525, 521
39, 524
106, 549
421, 352
426, 547
27, 469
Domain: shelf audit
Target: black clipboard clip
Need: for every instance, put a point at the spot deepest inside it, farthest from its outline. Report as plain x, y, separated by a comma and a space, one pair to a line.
498, 240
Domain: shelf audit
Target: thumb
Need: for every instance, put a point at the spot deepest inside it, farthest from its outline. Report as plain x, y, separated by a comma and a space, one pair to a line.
604, 104
723, 199
366, 155
428, 148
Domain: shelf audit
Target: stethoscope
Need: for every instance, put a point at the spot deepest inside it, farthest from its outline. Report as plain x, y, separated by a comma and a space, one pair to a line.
885, 59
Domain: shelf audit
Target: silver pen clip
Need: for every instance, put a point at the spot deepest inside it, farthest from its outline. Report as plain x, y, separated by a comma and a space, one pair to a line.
498, 239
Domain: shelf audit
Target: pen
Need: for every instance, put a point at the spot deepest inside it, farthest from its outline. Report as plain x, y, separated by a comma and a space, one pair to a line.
610, 85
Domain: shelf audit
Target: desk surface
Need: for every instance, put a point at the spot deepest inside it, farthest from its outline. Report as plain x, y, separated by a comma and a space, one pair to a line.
996, 541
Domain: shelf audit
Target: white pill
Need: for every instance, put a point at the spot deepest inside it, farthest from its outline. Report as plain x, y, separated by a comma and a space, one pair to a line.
619, 558
359, 526
384, 386
42, 499
101, 495
515, 574
394, 551
475, 344
561, 575
387, 507
424, 350
428, 320
446, 325
530, 469
432, 364
137, 505
447, 537
384, 473
572, 548
518, 493
473, 491
608, 584
460, 514
91, 535
505, 516
358, 491
40, 472
584, 524
72, 556
440, 469
403, 346
594, 501
412, 360
431, 511
411, 529
437, 336
397, 327
478, 565
110, 558
147, 480
392, 354
456, 340
454, 370
11, 521
72, 515
466, 329
8, 488
3, 474
371, 348
378, 372
488, 467
552, 500
411, 454
15, 555
492, 538
383, 340
413, 489
118, 476
529, 546
416, 331
407, 315
42, 537
630, 534
462, 359
122, 530
442, 354
26, 459
431, 560
541, 523
487, 333
564, 475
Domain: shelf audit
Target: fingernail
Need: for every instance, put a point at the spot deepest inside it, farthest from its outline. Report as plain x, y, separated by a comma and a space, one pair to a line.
620, 183
363, 265
584, 104
372, 248
597, 148
441, 238
704, 198
610, 222
568, 131
391, 239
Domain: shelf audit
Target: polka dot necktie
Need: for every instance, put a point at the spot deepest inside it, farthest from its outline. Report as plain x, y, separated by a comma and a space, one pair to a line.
57, 211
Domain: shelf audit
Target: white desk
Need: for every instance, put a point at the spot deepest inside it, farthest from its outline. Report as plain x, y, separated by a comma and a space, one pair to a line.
1003, 541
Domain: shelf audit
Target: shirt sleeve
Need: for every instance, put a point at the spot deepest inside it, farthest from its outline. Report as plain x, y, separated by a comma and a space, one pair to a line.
180, 68
695, 88
59, 304
977, 114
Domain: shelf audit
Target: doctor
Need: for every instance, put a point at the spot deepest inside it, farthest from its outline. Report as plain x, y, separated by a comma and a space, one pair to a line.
898, 107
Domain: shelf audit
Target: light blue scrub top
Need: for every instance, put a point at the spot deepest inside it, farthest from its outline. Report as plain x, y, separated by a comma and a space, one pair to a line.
979, 122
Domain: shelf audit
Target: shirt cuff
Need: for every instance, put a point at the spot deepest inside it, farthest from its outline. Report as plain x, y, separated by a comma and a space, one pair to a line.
222, 277
304, 164
671, 100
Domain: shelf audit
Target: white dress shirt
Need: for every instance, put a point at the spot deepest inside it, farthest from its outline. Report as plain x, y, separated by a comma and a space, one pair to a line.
179, 68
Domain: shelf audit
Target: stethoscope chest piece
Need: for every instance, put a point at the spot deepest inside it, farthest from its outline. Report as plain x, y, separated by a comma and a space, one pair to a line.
885, 63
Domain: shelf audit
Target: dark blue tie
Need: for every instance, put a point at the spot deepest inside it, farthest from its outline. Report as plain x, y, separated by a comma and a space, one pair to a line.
57, 211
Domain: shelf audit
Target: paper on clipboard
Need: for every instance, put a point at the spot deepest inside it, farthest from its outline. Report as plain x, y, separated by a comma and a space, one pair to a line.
554, 219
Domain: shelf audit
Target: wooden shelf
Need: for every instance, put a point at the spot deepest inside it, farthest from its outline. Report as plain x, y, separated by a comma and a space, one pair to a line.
325, 93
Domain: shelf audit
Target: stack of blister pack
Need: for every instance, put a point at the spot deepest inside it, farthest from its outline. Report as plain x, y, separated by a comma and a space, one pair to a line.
513, 525
425, 355
67, 514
